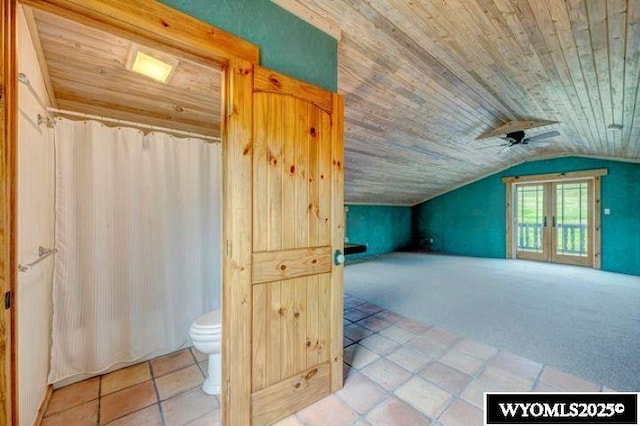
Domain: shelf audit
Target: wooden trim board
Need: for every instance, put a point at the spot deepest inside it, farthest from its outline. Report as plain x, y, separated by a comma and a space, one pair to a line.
43, 406
266, 404
284, 264
509, 220
337, 241
597, 224
267, 81
158, 26
556, 176
8, 208
237, 238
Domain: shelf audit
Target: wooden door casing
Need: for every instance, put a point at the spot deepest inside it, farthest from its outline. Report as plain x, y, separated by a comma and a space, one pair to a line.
296, 288
8, 216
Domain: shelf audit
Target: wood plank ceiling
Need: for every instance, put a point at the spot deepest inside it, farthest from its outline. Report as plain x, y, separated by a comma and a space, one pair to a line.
88, 74
423, 78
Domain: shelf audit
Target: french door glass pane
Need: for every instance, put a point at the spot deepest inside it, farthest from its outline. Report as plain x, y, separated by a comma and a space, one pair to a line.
572, 203
530, 217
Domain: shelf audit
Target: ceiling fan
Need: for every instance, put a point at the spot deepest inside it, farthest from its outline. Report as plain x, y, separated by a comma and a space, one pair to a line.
520, 138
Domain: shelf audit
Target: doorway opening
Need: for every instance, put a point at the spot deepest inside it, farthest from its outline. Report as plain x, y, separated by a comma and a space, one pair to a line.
555, 218
176, 35
104, 146
553, 222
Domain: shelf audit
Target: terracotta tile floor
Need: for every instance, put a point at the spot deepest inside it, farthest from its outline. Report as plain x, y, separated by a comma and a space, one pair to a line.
397, 372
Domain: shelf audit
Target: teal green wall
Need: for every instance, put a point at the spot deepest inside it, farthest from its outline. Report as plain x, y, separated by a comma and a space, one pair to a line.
287, 44
471, 220
382, 228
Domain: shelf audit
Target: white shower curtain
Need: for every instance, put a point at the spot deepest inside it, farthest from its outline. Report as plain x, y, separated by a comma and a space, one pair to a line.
138, 234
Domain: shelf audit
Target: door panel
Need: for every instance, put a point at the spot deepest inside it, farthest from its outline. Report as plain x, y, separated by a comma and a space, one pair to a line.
268, 404
290, 332
532, 236
280, 264
297, 153
572, 222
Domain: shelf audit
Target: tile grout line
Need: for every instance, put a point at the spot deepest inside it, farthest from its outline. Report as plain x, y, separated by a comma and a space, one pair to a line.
455, 396
155, 388
128, 414
431, 360
126, 387
536, 382
129, 387
100, 400
388, 394
76, 405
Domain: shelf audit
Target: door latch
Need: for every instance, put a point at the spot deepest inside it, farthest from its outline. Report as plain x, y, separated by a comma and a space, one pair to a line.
338, 258
7, 300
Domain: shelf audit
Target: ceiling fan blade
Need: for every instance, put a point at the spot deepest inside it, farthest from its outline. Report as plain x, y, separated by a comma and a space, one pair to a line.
494, 146
541, 136
538, 143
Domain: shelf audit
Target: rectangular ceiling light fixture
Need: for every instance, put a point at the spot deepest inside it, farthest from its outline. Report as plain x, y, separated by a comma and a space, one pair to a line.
151, 67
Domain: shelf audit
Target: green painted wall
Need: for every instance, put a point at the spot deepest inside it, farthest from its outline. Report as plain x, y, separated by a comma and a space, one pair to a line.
382, 228
287, 44
471, 220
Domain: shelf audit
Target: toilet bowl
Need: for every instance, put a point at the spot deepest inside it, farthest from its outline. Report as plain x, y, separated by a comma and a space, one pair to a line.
205, 333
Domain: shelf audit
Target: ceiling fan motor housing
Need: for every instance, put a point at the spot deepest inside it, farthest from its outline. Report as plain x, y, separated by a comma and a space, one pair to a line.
516, 137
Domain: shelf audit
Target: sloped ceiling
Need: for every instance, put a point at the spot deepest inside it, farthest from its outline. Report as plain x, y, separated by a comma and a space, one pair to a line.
423, 79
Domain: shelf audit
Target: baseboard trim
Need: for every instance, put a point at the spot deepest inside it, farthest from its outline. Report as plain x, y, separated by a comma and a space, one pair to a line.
44, 405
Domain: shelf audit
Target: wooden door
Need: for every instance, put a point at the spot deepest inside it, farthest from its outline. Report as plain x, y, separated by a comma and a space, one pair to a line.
283, 280
296, 286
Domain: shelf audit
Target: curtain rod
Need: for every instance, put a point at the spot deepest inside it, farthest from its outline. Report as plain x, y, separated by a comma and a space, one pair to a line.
133, 124
22, 78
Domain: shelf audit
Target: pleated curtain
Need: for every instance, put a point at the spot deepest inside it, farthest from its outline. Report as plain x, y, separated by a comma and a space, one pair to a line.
138, 220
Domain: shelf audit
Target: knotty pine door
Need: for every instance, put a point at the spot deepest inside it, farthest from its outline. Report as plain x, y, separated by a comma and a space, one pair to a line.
298, 234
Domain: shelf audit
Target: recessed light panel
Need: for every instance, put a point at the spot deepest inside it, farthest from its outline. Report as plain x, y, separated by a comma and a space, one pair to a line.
151, 67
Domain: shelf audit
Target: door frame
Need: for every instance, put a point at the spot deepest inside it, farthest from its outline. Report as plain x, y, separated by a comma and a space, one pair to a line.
185, 35
594, 174
8, 205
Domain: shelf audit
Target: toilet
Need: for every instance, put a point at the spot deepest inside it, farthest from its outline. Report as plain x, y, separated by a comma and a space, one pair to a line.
205, 333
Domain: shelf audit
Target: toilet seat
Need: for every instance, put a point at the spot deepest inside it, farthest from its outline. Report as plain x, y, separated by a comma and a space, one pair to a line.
207, 325
205, 334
